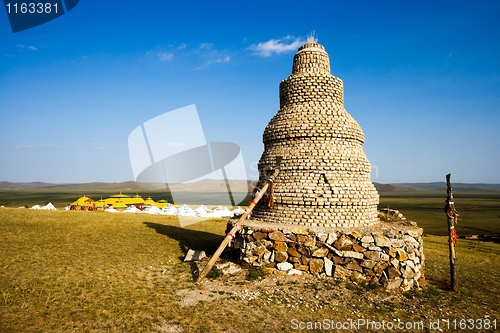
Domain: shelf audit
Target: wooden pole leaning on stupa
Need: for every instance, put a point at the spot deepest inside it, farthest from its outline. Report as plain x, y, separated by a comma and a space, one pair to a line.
452, 216
230, 235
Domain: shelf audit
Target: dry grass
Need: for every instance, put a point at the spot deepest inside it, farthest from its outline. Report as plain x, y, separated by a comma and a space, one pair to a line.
100, 272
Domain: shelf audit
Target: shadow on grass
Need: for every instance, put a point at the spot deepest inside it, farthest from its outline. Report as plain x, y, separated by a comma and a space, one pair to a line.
189, 239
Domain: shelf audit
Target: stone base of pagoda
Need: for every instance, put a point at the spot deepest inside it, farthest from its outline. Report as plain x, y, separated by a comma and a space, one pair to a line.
387, 254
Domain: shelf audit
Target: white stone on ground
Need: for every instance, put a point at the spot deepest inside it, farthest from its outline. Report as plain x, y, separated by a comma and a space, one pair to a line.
193, 255
294, 271
284, 266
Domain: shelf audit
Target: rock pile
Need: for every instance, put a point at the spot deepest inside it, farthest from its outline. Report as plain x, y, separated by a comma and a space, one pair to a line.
391, 256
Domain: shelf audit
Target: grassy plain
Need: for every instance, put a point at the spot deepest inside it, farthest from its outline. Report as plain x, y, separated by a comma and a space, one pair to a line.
479, 212
74, 271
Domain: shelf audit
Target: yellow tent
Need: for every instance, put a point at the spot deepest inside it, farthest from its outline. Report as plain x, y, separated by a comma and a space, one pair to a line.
115, 198
83, 203
149, 202
100, 204
136, 201
161, 203
119, 205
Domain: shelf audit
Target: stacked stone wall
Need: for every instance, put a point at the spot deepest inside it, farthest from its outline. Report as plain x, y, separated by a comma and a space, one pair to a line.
311, 58
321, 90
391, 256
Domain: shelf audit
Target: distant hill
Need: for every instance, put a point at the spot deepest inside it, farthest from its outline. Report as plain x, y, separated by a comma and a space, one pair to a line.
206, 185
441, 186
97, 186
390, 188
124, 186
211, 185
10, 185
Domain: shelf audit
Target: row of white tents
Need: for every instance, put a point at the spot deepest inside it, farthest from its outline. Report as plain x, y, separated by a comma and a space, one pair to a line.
170, 209
48, 206
184, 210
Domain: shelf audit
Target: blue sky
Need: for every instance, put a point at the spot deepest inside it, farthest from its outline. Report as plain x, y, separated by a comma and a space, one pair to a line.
422, 78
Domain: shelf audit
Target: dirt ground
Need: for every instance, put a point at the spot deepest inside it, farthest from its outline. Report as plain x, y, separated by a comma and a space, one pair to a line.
279, 288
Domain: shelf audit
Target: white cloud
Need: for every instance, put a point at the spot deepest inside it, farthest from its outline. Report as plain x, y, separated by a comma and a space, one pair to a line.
165, 56
206, 46
32, 48
282, 45
163, 53
33, 146
211, 55
213, 61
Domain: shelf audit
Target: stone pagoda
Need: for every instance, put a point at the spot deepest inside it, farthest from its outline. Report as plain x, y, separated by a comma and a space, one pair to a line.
325, 176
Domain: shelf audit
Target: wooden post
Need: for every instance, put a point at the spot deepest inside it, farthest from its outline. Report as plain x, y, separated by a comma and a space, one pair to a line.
452, 216
230, 235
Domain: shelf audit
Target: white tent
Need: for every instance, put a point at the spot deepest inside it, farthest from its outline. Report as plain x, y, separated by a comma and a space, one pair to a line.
208, 213
49, 206
185, 210
169, 210
132, 209
36, 207
238, 211
223, 212
152, 210
202, 209
111, 210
